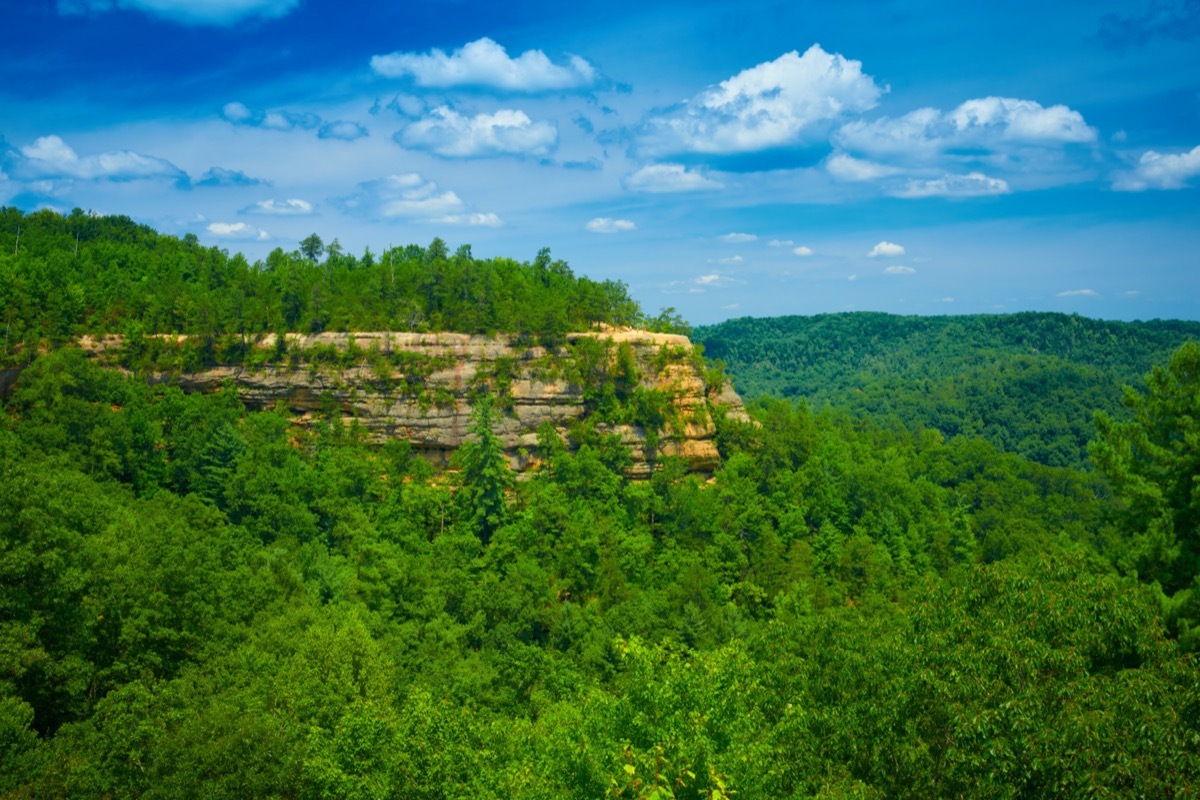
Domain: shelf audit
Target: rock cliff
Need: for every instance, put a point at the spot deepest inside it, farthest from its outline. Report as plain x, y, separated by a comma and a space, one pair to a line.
648, 388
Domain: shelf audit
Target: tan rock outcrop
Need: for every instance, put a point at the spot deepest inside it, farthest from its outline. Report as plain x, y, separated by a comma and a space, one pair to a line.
418, 387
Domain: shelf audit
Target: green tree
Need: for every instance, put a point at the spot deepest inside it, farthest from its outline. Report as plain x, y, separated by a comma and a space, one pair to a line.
485, 473
312, 247
1153, 463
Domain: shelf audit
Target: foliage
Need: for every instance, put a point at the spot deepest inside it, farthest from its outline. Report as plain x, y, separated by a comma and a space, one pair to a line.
197, 599
90, 274
1029, 383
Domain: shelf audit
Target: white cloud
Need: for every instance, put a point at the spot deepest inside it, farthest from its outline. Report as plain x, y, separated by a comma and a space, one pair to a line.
988, 122
944, 300
220, 176
974, 184
488, 220
660, 178
712, 280
737, 238
899, 270
411, 196
187, 12
49, 158
729, 260
607, 225
342, 129
849, 168
1160, 171
506, 132
774, 104
236, 112
1078, 293
803, 251
292, 207
886, 249
780, 243
486, 64
281, 120
1131, 293
236, 230
851, 278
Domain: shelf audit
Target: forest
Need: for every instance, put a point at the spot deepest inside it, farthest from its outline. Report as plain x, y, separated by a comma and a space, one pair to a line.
866, 600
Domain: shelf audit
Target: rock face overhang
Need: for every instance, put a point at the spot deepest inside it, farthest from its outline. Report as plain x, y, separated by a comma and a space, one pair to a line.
419, 387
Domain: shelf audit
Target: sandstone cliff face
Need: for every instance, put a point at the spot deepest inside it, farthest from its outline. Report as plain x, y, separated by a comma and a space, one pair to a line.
419, 387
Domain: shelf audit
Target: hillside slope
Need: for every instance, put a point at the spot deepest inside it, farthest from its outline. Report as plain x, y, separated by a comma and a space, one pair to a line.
1029, 382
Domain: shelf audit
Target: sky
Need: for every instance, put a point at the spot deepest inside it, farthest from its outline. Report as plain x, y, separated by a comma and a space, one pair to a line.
722, 159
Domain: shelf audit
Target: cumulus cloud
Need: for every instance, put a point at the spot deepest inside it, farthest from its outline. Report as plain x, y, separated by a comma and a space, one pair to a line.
219, 176
886, 249
774, 104
803, 251
236, 230
292, 207
187, 12
343, 130
661, 178
280, 120
608, 225
411, 196
781, 243
711, 280
988, 123
728, 260
899, 270
486, 64
1160, 171
447, 133
488, 220
49, 158
236, 112
848, 168
1078, 293
737, 238
974, 184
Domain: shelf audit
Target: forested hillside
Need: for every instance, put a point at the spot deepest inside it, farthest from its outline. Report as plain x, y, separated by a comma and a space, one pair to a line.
64, 276
200, 600
1029, 382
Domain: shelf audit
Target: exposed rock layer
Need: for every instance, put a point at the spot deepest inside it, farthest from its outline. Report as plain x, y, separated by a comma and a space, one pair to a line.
418, 387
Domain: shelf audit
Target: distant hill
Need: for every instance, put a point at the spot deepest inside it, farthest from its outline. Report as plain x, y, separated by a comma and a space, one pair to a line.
1028, 382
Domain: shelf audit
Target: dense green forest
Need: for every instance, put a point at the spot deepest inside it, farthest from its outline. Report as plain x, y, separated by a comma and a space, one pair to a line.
201, 601
61, 276
1029, 382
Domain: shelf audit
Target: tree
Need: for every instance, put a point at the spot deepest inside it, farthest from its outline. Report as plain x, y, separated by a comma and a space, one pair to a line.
485, 473
312, 247
1153, 463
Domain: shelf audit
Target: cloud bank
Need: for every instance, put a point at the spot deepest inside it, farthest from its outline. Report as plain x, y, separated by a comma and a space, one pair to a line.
663, 178
774, 104
485, 64
49, 158
411, 196
447, 133
1156, 170
607, 225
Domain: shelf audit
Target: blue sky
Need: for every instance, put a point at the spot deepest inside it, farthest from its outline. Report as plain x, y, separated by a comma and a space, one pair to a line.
723, 159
